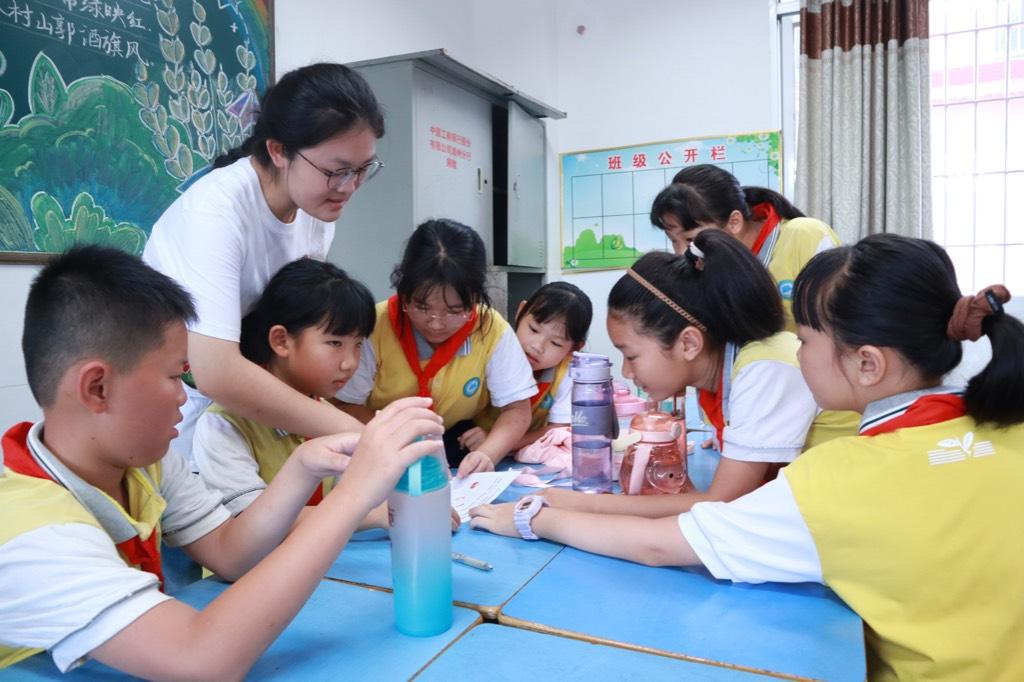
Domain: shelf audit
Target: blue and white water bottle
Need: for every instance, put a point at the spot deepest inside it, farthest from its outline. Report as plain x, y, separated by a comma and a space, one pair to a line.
421, 547
594, 426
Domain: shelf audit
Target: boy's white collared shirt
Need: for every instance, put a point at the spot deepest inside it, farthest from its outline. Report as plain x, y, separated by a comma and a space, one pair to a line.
65, 588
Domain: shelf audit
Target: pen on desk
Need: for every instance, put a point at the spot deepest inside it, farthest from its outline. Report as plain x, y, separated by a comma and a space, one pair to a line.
471, 561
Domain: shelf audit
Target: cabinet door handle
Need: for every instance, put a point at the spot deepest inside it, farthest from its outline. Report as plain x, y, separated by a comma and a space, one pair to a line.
515, 186
479, 180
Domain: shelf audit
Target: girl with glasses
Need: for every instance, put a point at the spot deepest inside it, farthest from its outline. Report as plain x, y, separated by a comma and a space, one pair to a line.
439, 337
267, 203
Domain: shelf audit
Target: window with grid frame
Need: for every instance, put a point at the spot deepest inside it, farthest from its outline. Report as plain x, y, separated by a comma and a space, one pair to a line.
977, 93
977, 140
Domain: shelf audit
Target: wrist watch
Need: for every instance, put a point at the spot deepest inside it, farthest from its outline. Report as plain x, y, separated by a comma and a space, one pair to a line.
525, 510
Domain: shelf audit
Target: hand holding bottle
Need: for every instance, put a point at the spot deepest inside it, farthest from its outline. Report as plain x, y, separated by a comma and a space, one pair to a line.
387, 446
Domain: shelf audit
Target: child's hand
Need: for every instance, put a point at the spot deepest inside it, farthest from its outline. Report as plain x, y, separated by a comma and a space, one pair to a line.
564, 499
326, 456
386, 447
456, 521
496, 518
473, 438
475, 462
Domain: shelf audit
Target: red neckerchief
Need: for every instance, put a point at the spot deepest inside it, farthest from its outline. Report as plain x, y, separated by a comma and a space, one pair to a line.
928, 409
766, 212
542, 390
711, 403
442, 354
18, 458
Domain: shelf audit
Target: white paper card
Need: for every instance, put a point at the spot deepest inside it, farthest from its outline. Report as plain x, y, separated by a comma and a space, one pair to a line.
477, 489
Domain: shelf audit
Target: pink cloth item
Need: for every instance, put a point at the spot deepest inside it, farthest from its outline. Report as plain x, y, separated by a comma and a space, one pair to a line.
553, 450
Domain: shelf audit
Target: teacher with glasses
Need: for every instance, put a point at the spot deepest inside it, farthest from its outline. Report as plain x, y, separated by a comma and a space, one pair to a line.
269, 202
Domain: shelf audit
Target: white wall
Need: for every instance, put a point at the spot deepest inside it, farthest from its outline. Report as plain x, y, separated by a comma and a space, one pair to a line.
16, 403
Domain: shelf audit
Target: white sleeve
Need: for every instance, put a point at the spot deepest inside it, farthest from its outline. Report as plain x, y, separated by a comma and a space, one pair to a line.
770, 411
761, 537
509, 376
825, 244
561, 409
192, 510
65, 588
225, 462
360, 386
205, 255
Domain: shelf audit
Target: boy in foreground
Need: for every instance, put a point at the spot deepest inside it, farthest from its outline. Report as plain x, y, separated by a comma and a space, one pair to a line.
87, 494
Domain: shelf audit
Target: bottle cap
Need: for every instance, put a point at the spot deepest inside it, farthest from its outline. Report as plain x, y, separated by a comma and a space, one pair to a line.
656, 427
590, 367
423, 476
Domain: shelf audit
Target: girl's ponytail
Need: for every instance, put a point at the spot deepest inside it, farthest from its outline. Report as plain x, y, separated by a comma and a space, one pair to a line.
783, 207
996, 394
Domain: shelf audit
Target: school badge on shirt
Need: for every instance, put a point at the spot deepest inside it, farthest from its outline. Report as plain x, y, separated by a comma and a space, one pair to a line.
471, 387
957, 450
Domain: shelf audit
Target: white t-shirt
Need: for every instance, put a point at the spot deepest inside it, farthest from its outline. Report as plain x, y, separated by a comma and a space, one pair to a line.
221, 242
761, 537
770, 412
65, 588
225, 462
507, 375
561, 408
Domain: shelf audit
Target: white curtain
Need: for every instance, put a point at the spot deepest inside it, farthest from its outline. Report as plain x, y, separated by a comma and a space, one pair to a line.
863, 160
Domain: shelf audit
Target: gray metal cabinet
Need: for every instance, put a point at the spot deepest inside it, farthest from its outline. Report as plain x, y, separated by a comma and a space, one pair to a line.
461, 145
526, 235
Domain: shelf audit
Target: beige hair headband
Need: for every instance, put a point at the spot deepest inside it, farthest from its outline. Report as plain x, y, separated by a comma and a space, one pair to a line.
668, 301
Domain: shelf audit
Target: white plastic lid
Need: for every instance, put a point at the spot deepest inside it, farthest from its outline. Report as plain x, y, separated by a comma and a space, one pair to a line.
590, 367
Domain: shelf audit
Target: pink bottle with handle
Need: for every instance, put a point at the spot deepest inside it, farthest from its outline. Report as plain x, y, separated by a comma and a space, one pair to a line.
627, 405
655, 465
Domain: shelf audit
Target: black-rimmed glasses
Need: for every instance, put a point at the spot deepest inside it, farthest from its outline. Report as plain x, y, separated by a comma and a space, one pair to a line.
339, 178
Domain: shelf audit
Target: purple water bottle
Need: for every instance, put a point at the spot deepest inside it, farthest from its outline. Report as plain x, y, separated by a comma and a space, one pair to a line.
594, 426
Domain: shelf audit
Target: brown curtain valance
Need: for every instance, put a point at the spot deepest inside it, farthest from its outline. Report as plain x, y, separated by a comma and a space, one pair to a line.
829, 24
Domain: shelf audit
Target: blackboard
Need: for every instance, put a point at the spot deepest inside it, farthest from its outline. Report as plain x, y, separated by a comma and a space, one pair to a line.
108, 109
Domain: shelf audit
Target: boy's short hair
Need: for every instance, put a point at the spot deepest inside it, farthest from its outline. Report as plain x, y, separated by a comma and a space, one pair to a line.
96, 302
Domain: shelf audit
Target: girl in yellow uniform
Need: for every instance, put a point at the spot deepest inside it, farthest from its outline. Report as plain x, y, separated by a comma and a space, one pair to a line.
307, 329
550, 325
915, 523
710, 319
779, 234
438, 336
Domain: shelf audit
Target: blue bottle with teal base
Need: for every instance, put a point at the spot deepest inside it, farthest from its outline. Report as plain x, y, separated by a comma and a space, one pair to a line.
421, 548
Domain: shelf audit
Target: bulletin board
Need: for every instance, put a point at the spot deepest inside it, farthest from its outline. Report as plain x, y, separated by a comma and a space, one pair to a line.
109, 108
607, 193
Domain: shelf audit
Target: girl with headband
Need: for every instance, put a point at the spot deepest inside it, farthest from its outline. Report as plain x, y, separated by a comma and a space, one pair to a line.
711, 319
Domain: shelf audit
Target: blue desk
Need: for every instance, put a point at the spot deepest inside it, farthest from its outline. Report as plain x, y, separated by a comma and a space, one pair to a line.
802, 630
510, 653
343, 632
367, 558
367, 561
